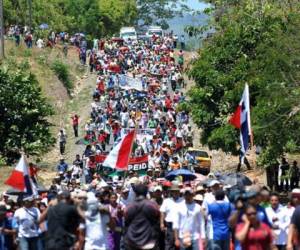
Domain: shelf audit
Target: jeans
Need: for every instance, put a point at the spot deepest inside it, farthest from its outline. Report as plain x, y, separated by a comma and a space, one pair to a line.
62, 147
169, 237
75, 128
28, 243
281, 247
218, 244
194, 246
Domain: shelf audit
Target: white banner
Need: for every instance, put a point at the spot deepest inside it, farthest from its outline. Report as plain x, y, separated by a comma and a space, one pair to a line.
127, 82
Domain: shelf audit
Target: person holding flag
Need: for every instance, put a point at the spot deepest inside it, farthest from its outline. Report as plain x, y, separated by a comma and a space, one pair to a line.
20, 178
241, 120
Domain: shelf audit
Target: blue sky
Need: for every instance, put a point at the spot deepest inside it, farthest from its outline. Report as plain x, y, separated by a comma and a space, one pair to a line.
196, 4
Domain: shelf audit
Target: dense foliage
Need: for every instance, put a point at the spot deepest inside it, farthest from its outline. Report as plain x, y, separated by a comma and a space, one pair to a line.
255, 42
93, 17
24, 114
63, 74
157, 12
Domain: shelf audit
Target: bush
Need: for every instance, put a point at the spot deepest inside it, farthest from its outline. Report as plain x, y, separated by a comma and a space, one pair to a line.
62, 72
25, 115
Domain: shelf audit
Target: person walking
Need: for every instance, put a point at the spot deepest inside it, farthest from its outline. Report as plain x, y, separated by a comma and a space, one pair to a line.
75, 123
141, 222
189, 223
252, 233
220, 210
294, 174
279, 217
284, 180
62, 139
168, 212
27, 220
62, 221
97, 221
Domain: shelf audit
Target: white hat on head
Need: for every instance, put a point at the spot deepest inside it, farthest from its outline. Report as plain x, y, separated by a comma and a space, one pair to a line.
199, 197
214, 182
157, 188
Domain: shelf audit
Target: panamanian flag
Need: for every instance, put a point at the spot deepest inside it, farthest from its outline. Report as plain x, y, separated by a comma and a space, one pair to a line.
20, 178
241, 120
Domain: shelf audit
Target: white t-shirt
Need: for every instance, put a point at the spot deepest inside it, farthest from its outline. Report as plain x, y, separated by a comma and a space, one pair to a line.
27, 219
283, 222
169, 208
189, 219
96, 232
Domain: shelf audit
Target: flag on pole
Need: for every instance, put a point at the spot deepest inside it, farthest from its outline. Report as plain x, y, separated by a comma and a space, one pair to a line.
119, 156
20, 178
241, 120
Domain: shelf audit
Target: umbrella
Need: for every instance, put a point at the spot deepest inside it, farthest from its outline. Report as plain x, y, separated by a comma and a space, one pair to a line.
44, 26
187, 175
236, 179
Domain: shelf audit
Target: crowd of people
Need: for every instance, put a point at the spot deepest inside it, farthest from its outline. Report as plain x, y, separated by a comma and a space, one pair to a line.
90, 206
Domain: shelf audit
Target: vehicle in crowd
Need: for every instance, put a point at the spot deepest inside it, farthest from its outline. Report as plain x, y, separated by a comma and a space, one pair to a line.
141, 33
128, 33
202, 160
154, 30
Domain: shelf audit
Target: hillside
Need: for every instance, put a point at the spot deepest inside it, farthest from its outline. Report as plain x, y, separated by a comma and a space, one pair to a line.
39, 62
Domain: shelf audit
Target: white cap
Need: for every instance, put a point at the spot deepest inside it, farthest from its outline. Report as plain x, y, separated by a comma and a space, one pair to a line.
296, 191
214, 182
157, 188
199, 197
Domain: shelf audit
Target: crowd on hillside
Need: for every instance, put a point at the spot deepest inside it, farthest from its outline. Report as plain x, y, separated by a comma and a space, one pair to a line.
160, 203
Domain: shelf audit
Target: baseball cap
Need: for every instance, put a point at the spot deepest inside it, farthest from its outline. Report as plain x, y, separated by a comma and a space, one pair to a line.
296, 191
213, 183
199, 197
200, 188
28, 198
157, 188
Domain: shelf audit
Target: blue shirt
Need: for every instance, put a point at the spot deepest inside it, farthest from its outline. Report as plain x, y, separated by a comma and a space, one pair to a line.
220, 212
62, 167
6, 241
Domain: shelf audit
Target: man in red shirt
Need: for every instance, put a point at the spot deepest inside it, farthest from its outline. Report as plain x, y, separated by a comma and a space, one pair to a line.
75, 122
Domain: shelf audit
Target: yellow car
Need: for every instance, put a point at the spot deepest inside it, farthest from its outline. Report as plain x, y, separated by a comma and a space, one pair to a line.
202, 160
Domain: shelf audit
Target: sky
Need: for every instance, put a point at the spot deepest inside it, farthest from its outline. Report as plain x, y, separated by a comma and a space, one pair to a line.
196, 4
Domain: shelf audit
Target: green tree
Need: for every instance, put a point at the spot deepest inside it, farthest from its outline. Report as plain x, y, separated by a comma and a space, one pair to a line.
255, 42
92, 17
24, 115
157, 12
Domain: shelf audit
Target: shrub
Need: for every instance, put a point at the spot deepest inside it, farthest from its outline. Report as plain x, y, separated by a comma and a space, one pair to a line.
62, 72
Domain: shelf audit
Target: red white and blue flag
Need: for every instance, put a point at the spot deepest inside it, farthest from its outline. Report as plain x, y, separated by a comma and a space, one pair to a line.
241, 120
119, 156
20, 178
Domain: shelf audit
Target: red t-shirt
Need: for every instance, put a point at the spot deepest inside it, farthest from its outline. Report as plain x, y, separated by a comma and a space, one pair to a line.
257, 238
75, 120
168, 103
